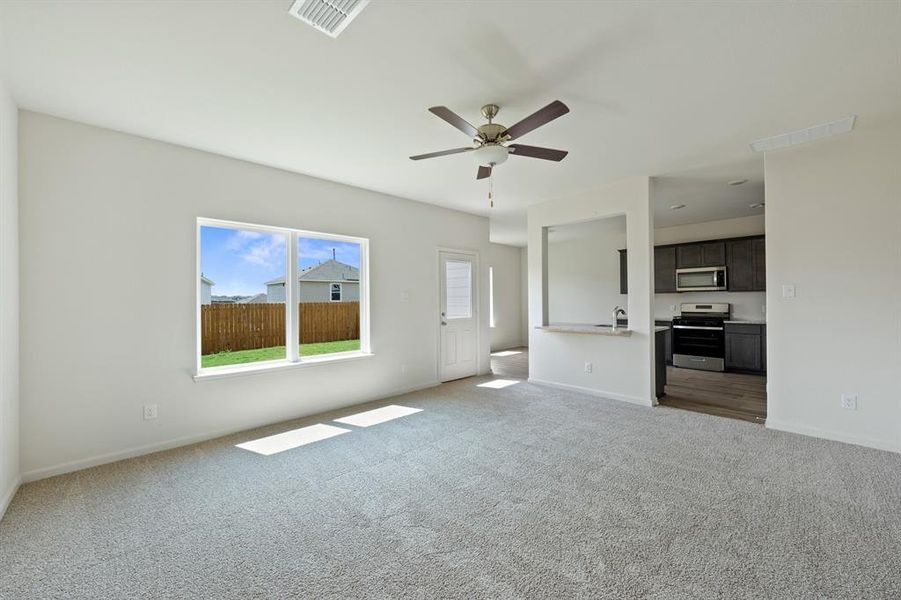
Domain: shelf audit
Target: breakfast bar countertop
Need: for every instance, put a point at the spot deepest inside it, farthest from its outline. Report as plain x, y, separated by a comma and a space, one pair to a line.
586, 328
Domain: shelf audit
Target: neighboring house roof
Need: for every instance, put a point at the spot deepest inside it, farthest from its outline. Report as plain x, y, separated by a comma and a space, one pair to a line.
207, 280
331, 270
256, 299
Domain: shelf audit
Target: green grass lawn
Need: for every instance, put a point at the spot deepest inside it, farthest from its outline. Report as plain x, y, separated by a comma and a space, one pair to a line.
240, 357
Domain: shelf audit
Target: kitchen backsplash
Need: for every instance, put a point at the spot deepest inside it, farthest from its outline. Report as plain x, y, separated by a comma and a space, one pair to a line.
745, 305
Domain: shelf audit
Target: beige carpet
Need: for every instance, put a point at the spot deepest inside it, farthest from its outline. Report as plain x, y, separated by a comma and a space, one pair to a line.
520, 492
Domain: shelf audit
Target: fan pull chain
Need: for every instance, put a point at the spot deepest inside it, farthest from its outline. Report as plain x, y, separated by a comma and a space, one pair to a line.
491, 187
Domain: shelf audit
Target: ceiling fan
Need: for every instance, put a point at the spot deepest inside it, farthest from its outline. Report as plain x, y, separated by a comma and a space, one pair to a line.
492, 139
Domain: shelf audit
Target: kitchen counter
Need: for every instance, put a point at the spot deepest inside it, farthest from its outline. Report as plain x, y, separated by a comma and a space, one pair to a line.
593, 329
586, 328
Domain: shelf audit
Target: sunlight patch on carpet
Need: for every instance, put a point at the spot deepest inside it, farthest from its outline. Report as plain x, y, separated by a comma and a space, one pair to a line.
378, 415
498, 384
280, 442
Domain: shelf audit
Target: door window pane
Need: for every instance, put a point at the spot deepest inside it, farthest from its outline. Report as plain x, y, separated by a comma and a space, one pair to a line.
242, 309
329, 295
458, 274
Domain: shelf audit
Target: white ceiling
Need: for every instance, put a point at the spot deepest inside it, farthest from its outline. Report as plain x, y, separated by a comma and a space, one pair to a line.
654, 88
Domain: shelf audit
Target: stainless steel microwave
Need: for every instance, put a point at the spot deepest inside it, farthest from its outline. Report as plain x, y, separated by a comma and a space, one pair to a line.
701, 279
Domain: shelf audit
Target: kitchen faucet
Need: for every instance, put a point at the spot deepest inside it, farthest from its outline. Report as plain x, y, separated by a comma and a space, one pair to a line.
617, 311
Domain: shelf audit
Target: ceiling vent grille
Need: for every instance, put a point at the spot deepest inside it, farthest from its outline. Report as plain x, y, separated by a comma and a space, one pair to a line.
802, 136
328, 16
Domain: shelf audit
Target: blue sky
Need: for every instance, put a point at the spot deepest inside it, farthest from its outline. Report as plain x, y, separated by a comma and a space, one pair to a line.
240, 262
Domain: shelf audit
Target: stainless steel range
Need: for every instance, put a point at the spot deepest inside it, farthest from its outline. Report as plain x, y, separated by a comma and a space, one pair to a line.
699, 336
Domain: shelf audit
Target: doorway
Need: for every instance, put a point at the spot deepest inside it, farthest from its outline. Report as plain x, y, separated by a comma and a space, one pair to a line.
458, 315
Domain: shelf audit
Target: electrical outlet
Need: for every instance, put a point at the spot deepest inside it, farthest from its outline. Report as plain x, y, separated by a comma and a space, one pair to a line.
788, 291
405, 297
588, 367
849, 401
403, 368
151, 411
672, 308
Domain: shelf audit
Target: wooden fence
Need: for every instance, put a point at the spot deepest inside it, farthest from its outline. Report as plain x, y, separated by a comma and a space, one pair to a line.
250, 326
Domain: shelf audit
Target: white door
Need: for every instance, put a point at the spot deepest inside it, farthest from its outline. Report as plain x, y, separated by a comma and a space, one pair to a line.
458, 317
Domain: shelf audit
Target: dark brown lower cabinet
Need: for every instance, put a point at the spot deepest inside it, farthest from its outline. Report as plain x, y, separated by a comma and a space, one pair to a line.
746, 347
667, 340
659, 364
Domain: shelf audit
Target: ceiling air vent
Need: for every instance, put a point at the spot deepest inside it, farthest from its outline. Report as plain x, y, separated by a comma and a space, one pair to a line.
803, 136
328, 16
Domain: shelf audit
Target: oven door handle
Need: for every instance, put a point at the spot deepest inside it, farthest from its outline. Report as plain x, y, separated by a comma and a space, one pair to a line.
697, 327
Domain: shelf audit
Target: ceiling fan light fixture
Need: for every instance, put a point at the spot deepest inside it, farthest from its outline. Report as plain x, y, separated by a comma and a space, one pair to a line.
491, 154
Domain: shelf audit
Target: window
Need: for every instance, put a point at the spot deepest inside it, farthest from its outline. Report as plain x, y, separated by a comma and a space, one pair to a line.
329, 292
459, 289
250, 310
491, 296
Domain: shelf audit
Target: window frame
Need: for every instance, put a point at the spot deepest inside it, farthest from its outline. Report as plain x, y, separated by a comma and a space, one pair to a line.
293, 357
331, 292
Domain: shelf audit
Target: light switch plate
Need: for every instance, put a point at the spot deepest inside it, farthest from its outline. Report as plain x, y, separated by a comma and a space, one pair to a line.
788, 291
849, 401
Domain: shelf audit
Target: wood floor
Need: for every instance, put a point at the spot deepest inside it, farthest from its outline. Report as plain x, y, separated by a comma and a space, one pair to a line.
511, 363
733, 395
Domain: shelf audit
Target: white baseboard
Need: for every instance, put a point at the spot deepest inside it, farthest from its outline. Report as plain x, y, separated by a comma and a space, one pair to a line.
835, 436
102, 459
593, 392
8, 496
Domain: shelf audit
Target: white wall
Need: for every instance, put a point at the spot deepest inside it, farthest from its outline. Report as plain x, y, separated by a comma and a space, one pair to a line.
833, 227
711, 230
745, 305
622, 366
507, 330
583, 271
9, 300
97, 204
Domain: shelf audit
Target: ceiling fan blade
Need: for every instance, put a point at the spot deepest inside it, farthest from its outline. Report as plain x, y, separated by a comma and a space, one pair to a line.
441, 153
483, 172
537, 152
443, 112
537, 119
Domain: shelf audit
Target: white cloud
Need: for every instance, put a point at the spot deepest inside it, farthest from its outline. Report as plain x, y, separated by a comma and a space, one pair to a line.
258, 248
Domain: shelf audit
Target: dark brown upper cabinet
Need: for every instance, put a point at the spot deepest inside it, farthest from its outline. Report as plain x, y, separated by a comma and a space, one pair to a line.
759, 245
664, 269
746, 266
744, 258
705, 254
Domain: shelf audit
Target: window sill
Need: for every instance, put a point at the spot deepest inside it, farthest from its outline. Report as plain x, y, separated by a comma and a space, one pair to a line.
277, 365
